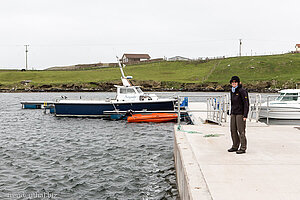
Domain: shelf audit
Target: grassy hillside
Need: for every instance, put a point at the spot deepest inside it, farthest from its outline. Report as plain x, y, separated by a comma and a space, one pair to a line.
279, 69
163, 71
58, 77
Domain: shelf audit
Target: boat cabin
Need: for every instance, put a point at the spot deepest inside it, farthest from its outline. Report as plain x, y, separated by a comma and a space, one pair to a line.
133, 93
289, 95
129, 93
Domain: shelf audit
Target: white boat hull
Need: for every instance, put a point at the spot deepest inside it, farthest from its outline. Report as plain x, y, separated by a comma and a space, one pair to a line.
280, 112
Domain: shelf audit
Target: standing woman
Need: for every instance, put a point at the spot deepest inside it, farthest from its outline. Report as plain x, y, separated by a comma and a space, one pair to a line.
238, 116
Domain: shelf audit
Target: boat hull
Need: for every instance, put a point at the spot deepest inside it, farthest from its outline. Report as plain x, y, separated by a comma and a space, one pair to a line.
280, 113
91, 109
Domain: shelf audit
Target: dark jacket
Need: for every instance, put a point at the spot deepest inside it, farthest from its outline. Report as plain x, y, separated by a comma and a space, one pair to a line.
239, 102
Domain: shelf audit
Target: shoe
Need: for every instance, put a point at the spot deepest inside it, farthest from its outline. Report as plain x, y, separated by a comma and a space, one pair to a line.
240, 151
232, 150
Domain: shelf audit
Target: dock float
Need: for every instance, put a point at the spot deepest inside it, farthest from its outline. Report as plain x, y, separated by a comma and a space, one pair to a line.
205, 170
36, 104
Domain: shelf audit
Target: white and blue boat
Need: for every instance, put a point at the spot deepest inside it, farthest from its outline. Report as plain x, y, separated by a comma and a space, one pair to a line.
128, 97
285, 106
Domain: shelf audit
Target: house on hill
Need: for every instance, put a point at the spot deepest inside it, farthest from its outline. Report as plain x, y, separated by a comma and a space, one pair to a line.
298, 48
131, 58
178, 58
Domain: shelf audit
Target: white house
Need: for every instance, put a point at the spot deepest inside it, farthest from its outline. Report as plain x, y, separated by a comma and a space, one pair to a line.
178, 58
298, 48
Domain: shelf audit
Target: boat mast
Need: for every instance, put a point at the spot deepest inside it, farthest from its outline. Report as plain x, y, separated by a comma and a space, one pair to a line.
121, 68
124, 79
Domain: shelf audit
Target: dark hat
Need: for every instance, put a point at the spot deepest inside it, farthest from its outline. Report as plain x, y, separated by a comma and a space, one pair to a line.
235, 78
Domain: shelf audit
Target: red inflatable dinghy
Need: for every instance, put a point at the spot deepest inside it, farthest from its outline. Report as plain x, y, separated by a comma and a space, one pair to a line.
154, 117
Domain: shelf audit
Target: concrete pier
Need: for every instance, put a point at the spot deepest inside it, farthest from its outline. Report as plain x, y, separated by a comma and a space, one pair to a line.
269, 170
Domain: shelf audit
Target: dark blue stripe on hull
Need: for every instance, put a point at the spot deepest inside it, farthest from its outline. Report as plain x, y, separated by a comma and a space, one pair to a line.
97, 109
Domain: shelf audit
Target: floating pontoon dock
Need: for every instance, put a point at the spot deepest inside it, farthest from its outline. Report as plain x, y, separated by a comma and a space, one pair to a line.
205, 170
36, 104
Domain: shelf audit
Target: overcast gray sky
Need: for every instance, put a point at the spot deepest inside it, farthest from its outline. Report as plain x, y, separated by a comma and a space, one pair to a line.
66, 32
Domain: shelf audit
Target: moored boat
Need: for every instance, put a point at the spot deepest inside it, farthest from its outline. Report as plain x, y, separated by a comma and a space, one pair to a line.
128, 97
285, 106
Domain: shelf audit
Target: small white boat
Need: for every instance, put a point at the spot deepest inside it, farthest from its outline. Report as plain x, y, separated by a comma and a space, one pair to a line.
285, 106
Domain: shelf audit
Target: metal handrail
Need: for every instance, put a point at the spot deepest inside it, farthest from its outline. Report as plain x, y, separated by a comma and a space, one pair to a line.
218, 105
257, 106
220, 108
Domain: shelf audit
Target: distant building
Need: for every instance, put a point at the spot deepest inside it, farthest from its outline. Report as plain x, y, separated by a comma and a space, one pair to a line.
131, 58
178, 58
298, 48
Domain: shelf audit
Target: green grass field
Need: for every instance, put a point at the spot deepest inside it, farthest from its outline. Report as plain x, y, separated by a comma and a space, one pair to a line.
280, 68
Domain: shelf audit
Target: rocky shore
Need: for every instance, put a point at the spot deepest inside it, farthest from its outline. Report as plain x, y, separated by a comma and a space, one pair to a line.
148, 86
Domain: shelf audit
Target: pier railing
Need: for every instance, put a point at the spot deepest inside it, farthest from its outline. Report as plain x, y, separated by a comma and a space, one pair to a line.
217, 107
255, 107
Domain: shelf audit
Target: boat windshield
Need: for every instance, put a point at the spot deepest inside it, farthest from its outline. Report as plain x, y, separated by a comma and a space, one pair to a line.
127, 91
139, 90
290, 97
280, 96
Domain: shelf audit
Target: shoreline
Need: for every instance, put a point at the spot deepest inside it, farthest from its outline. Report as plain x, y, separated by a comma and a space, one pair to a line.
67, 90
146, 86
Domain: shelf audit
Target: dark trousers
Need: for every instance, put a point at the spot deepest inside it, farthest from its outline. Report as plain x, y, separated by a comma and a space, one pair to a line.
238, 132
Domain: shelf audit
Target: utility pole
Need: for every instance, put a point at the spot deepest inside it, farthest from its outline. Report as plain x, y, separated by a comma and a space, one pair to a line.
240, 47
26, 51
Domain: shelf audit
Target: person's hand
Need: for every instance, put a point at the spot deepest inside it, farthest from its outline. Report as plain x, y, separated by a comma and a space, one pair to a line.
244, 119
